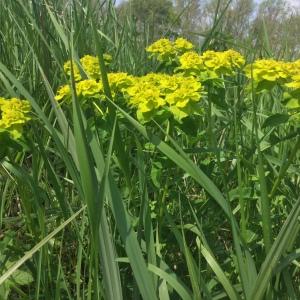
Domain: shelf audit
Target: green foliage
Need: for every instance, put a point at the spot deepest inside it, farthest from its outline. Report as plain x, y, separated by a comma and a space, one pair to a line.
154, 16
95, 204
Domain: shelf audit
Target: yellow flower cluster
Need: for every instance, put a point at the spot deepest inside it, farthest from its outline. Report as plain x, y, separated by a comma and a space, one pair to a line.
266, 73
293, 67
222, 63
91, 88
179, 94
14, 113
161, 92
146, 98
191, 62
88, 88
119, 82
267, 70
165, 50
211, 64
90, 65
63, 93
293, 96
295, 81
181, 45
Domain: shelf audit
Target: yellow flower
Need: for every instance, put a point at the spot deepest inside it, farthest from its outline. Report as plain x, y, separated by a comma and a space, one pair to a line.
214, 60
162, 49
182, 45
63, 93
150, 101
222, 63
89, 88
14, 113
67, 69
295, 83
182, 101
211, 64
293, 67
166, 83
293, 96
173, 93
119, 82
152, 78
191, 61
268, 70
146, 98
235, 58
142, 92
165, 50
90, 65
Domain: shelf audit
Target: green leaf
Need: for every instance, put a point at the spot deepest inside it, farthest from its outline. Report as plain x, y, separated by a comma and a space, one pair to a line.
156, 170
178, 286
279, 246
37, 247
276, 120
22, 277
230, 290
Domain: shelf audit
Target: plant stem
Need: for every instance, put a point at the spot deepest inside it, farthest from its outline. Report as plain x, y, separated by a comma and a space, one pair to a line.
264, 197
285, 167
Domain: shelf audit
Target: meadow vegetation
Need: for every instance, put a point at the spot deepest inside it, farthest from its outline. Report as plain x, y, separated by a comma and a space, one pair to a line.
140, 160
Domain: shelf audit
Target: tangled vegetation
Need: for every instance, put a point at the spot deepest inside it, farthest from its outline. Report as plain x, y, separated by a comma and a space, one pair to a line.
167, 174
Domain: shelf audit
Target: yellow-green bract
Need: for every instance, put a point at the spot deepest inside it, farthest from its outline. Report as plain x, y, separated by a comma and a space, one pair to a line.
14, 113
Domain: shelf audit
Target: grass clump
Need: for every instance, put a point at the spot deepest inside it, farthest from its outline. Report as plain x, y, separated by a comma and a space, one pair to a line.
171, 172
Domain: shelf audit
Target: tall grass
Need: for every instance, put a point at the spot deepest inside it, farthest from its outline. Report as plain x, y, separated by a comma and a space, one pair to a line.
120, 211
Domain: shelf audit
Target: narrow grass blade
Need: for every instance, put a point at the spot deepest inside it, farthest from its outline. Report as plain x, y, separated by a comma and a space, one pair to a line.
38, 246
279, 246
175, 283
230, 290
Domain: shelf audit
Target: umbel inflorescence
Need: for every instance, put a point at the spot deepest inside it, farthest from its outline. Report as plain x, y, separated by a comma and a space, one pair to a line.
14, 114
178, 93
